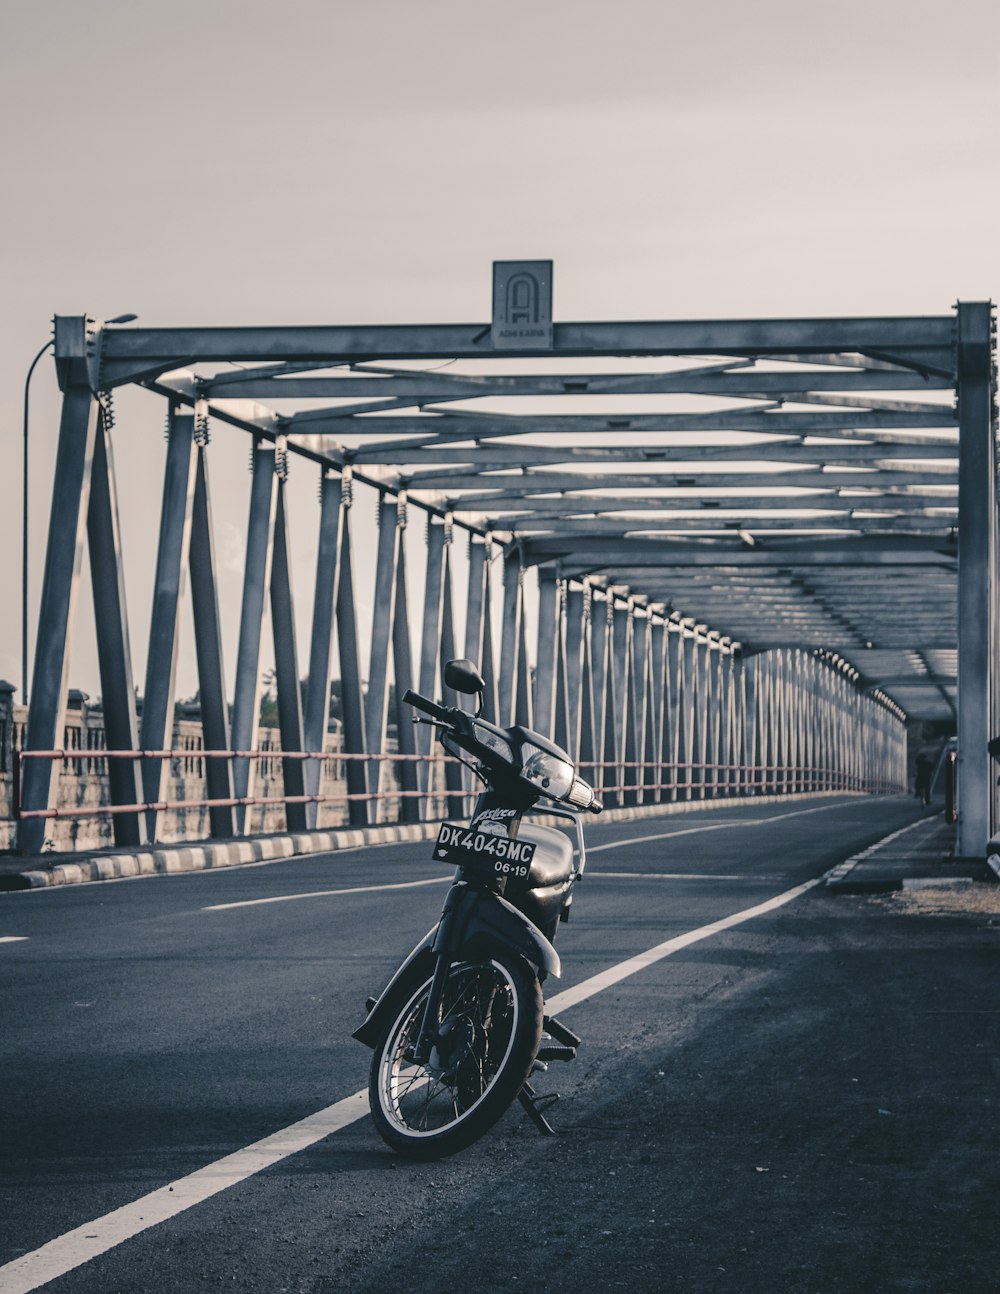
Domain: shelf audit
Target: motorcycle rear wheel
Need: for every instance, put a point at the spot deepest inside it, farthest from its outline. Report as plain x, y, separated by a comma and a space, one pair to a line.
491, 1025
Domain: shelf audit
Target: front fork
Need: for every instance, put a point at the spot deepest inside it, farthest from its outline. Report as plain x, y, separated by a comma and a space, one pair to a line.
492, 807
442, 950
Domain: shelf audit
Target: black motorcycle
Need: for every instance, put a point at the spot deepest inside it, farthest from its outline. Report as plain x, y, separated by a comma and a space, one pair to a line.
460, 1027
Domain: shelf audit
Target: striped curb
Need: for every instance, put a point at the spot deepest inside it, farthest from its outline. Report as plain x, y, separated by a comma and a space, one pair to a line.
262, 849
836, 877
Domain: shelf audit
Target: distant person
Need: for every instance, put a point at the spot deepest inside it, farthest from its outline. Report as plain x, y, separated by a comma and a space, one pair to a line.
923, 786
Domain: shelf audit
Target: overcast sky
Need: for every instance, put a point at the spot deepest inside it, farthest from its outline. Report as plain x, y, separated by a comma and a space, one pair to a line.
310, 162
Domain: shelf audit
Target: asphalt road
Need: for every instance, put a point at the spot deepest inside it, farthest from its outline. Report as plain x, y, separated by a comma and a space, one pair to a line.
150, 1028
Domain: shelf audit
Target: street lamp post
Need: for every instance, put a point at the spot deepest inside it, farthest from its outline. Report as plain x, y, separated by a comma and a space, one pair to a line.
118, 319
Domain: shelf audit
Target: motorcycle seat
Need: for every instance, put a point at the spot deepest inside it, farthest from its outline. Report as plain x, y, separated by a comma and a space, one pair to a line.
553, 860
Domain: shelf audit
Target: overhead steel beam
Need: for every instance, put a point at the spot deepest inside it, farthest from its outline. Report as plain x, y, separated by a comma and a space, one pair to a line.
791, 449
460, 425
437, 387
927, 335
525, 484
893, 549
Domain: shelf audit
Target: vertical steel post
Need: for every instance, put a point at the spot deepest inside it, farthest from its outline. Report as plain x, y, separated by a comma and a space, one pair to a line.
402, 661
713, 724
599, 651
741, 700
475, 603
656, 731
725, 718
611, 750
648, 730
547, 649
114, 652
61, 579
751, 723
690, 703
675, 728
619, 697
316, 710
256, 579
430, 642
561, 727
452, 772
156, 728
208, 644
522, 693
976, 588
575, 630
350, 667
383, 615
286, 668
491, 696
587, 741
510, 635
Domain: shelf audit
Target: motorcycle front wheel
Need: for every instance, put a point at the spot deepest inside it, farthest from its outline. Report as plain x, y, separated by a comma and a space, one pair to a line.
491, 1025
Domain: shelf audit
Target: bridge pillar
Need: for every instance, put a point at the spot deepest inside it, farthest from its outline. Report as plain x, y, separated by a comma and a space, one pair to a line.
977, 556
61, 580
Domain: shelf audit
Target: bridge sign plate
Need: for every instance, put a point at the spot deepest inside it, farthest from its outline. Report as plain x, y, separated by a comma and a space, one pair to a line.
522, 305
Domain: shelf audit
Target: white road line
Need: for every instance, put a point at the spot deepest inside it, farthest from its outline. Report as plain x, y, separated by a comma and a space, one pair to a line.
713, 826
615, 974
87, 1242
319, 894
94, 1238
682, 876
660, 835
12, 939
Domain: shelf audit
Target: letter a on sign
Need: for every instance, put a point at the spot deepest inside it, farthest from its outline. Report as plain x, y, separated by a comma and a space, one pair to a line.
522, 305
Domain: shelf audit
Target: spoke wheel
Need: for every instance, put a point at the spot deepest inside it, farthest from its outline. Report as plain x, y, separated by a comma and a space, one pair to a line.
491, 1023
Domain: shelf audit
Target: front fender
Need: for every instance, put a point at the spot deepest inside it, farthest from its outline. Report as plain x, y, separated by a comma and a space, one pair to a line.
398, 988
482, 919
493, 919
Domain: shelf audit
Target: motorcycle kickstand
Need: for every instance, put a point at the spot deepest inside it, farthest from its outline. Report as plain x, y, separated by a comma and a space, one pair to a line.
535, 1106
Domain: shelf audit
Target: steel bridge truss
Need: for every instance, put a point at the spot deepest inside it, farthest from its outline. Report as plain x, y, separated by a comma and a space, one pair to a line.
746, 539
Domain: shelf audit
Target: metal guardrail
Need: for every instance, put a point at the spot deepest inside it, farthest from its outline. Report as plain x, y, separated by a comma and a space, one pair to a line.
690, 781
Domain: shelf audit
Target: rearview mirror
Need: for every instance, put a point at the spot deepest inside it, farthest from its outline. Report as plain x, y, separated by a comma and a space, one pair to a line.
462, 676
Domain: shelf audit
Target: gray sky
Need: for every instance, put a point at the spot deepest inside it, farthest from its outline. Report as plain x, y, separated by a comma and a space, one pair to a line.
309, 162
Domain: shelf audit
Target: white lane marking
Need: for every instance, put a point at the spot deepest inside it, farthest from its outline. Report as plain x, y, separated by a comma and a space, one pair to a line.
94, 1238
660, 835
714, 826
683, 876
12, 939
319, 894
615, 974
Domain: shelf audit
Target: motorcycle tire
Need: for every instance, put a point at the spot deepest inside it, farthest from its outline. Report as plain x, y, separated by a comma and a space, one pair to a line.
491, 1026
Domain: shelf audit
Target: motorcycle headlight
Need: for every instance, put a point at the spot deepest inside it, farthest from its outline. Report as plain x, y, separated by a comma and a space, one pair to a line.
486, 737
547, 772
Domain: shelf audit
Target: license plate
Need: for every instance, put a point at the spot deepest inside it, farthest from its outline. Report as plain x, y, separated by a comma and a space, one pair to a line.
486, 855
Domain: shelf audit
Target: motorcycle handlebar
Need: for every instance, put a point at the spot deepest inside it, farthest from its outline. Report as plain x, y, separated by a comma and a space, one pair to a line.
429, 707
